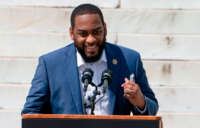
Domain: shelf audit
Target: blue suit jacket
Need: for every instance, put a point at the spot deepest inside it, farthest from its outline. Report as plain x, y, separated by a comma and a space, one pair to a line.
56, 85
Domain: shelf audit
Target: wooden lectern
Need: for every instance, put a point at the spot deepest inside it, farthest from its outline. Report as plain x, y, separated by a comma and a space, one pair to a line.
89, 121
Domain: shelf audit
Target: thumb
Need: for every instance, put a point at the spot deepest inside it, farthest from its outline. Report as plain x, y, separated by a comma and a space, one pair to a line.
126, 80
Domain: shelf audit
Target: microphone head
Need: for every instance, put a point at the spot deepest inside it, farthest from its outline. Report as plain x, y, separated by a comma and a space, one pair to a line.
87, 74
107, 75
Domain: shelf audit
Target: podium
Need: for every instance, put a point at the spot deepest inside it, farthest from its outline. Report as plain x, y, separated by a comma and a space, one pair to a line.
89, 121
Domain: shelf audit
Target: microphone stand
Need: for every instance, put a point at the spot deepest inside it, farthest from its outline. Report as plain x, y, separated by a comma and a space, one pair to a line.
106, 79
93, 98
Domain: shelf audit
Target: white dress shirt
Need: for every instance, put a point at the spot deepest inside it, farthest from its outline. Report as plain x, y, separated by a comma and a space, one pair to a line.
102, 106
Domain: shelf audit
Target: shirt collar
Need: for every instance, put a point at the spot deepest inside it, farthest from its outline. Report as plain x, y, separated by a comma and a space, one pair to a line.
80, 60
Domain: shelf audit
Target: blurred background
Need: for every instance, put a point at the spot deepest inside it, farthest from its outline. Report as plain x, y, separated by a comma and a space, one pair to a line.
165, 32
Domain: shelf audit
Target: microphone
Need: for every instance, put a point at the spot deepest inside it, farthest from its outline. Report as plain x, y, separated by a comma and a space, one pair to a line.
87, 78
106, 79
132, 78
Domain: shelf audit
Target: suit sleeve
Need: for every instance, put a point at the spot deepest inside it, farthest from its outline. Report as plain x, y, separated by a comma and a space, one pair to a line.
38, 96
141, 79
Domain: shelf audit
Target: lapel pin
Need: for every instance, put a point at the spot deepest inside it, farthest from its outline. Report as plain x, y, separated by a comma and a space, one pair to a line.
114, 61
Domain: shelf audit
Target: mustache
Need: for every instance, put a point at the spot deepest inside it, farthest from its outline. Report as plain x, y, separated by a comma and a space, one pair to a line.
91, 44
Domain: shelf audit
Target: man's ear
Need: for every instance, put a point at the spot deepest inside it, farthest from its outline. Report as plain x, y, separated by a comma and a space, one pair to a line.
71, 33
105, 29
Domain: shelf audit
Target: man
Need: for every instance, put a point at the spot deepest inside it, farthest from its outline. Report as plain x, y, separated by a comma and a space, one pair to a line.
57, 87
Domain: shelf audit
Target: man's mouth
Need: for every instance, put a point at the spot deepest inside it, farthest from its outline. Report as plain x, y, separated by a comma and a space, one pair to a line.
91, 50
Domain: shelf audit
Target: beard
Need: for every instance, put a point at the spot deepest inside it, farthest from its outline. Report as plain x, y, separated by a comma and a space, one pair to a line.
90, 59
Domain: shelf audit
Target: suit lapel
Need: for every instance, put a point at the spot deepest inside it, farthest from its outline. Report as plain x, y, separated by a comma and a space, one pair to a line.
117, 64
73, 78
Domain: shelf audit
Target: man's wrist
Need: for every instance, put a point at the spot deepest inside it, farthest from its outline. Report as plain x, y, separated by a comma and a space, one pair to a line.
142, 104
142, 109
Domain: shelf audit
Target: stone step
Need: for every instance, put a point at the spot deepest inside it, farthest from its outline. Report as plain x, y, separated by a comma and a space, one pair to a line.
140, 21
17, 70
35, 44
173, 47
30, 45
10, 118
34, 19
21, 70
172, 72
60, 3
169, 47
180, 120
171, 99
161, 4
178, 99
140, 4
12, 96
146, 21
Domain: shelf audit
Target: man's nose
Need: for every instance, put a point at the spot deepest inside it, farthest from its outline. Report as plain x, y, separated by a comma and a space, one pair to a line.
90, 39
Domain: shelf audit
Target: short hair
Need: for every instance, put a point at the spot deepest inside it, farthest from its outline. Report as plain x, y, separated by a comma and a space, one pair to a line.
86, 9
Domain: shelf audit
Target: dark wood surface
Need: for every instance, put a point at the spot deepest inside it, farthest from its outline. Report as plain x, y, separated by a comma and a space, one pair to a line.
89, 121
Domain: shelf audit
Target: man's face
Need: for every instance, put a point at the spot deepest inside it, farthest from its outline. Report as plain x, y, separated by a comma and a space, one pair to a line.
89, 34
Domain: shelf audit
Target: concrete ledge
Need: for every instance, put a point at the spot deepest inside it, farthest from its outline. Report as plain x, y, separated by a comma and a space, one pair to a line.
173, 72
60, 3
10, 118
21, 70
147, 21
17, 70
35, 44
13, 96
165, 47
161, 4
21, 19
180, 120
170, 98
178, 99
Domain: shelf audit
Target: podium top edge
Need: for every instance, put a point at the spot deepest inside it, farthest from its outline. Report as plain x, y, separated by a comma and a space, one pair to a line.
120, 117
